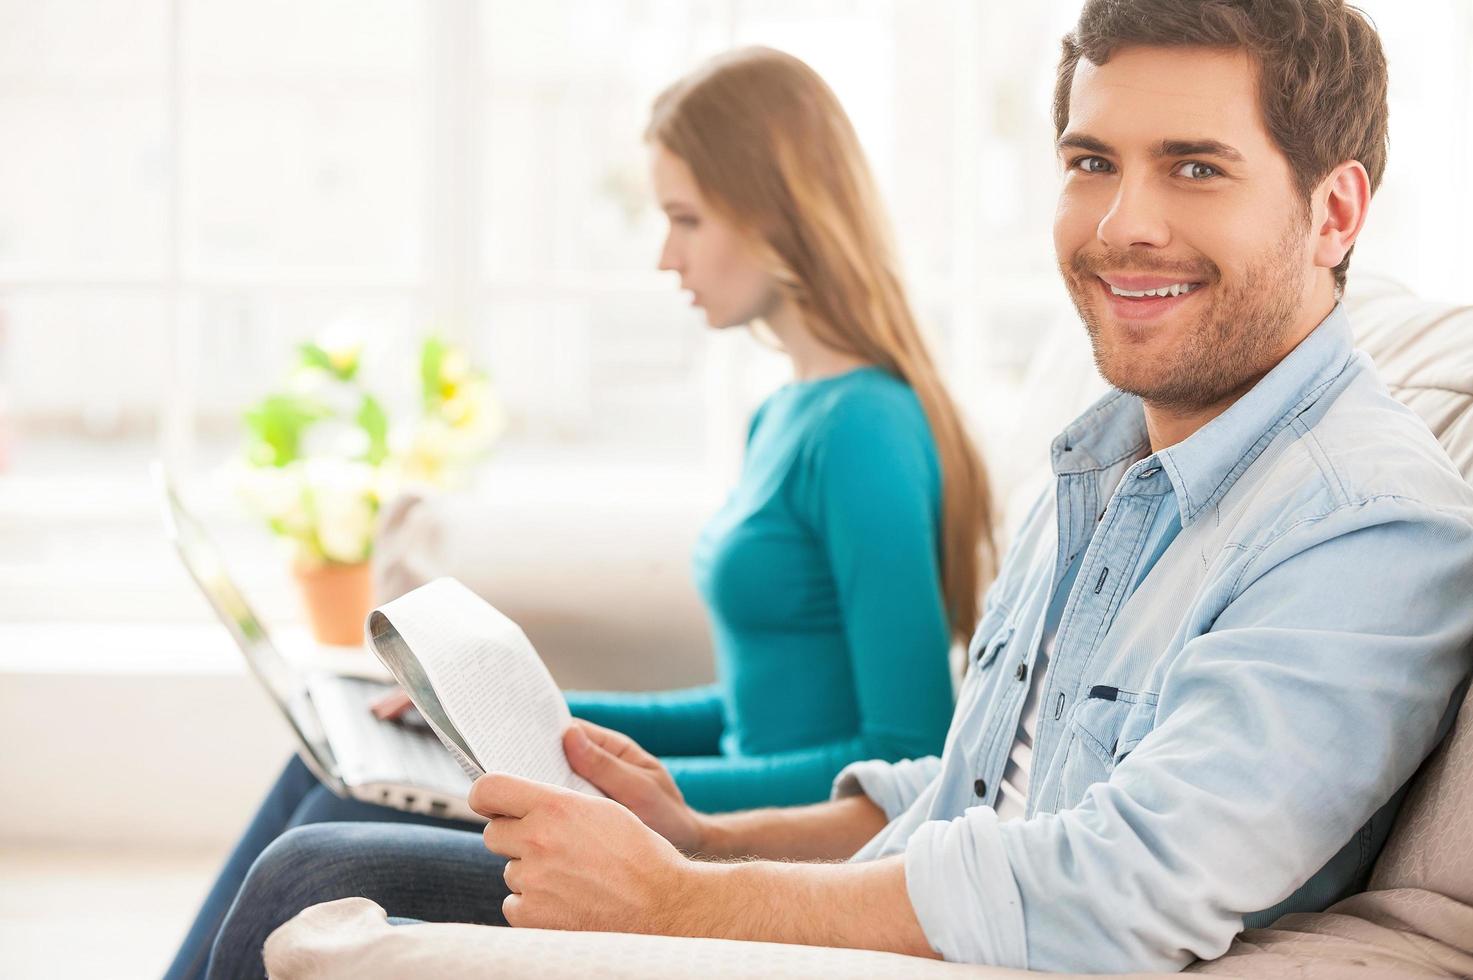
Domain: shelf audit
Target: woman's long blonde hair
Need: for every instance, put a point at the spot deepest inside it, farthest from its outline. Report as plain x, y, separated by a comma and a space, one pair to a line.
771, 148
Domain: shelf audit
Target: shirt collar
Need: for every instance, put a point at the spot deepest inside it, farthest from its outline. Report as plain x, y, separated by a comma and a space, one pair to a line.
1204, 467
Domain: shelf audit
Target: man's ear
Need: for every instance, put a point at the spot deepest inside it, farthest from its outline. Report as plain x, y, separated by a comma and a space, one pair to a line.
1341, 202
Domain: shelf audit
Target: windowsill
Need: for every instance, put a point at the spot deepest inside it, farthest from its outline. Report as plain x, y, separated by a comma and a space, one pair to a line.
159, 649
87, 577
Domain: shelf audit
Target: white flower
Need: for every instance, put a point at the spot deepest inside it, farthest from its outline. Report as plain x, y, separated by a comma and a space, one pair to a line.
422, 450
334, 437
475, 415
454, 367
344, 502
343, 341
274, 493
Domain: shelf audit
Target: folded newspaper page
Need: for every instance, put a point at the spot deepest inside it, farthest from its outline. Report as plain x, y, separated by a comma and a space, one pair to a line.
475, 677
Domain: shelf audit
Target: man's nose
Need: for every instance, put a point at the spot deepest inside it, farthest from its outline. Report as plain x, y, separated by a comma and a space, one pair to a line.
1136, 217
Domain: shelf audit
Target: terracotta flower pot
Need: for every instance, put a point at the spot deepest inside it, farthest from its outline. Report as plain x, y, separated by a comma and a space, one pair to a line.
338, 599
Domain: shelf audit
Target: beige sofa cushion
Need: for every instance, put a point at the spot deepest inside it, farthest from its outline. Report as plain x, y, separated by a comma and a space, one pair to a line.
1431, 846
1379, 935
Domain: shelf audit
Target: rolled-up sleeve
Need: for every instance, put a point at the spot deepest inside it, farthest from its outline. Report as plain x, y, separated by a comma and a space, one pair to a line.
1317, 692
891, 786
964, 898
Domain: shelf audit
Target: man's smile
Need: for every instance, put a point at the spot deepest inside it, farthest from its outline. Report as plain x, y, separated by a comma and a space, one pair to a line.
1146, 297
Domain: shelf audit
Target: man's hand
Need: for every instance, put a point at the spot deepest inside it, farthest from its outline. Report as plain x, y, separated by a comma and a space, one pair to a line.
577, 861
616, 764
581, 862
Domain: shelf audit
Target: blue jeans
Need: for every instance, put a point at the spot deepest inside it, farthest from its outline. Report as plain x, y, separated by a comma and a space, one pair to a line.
415, 873
296, 801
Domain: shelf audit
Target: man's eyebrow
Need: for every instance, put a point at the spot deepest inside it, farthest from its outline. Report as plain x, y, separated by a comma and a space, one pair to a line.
1079, 141
1167, 148
1198, 147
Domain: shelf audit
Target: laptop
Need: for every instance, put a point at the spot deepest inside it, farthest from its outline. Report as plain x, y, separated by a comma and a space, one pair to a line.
396, 764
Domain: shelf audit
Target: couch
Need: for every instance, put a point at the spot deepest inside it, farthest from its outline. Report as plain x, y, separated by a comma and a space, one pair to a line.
1414, 920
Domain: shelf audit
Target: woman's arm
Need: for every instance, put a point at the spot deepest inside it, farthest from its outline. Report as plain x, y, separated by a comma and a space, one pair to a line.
641, 783
667, 723
720, 784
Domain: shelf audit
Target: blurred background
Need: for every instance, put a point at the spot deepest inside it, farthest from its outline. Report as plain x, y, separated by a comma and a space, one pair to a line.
191, 189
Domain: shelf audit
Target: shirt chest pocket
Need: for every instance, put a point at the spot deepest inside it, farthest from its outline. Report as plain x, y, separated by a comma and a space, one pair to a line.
991, 637
1104, 728
977, 684
984, 654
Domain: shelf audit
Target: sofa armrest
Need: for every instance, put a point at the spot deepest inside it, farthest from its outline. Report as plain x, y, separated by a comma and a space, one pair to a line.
1399, 932
351, 938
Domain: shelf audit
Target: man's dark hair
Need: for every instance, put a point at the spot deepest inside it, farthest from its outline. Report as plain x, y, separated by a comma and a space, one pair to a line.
1321, 71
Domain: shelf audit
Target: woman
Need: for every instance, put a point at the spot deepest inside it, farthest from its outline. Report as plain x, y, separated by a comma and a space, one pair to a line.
850, 553
847, 555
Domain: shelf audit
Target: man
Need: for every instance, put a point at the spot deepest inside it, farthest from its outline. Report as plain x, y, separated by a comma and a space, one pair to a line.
1219, 646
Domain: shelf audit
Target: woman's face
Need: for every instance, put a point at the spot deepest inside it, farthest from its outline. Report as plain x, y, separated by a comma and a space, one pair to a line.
711, 256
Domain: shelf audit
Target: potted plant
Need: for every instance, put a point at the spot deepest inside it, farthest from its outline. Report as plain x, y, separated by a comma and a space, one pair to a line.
322, 457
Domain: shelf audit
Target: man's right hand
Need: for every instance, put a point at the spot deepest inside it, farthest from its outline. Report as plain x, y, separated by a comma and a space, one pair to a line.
629, 775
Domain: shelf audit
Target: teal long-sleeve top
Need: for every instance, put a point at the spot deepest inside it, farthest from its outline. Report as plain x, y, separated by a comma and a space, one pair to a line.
821, 576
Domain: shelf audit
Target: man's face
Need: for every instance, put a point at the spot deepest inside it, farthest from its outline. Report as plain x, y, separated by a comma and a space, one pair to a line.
1172, 184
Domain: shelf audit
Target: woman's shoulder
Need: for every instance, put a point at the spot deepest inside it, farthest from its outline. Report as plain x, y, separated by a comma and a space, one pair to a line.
864, 419
868, 441
870, 403
866, 426
863, 397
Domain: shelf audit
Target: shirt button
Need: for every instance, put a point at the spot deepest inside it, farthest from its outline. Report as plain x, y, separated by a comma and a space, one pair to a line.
1022, 671
980, 788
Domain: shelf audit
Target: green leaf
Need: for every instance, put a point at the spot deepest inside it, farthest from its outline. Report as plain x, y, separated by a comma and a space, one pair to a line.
375, 422
277, 424
431, 356
313, 355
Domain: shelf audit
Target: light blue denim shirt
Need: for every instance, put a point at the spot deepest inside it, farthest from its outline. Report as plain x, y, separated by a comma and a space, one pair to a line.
1264, 638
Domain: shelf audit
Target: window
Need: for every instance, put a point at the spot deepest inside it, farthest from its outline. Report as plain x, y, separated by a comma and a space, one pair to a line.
195, 187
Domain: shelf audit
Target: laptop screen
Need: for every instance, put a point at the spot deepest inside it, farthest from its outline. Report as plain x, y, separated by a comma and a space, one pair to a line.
206, 566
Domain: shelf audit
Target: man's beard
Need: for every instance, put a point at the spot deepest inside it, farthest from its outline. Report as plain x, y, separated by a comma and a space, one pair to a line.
1234, 342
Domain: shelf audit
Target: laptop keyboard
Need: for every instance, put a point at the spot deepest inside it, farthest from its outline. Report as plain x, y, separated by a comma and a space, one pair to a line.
370, 750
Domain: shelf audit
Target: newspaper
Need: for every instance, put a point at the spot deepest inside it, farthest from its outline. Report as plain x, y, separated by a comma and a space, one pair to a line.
476, 679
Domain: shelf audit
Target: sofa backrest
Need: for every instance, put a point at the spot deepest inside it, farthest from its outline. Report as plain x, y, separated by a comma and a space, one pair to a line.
1424, 352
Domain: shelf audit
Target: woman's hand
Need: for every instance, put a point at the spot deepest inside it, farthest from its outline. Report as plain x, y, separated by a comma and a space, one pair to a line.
616, 764
391, 706
576, 861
